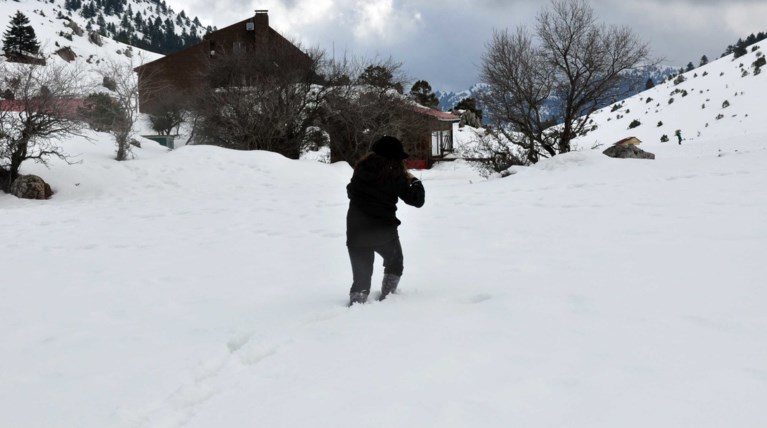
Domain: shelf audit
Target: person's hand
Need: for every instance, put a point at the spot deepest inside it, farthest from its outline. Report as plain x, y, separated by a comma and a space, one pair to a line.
410, 177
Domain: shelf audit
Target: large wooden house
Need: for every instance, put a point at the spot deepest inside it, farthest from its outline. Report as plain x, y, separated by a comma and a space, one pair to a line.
175, 77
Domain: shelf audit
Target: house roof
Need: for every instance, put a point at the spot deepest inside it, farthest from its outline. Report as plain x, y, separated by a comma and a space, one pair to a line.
11, 105
438, 114
210, 36
64, 105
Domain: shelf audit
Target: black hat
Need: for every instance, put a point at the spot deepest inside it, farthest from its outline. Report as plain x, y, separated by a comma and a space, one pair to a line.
389, 147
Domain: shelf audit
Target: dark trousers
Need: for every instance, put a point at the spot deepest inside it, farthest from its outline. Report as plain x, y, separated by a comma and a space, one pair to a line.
362, 259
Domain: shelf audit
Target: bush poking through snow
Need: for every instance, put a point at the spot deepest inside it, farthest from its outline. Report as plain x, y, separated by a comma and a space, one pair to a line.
757, 65
634, 123
109, 83
100, 111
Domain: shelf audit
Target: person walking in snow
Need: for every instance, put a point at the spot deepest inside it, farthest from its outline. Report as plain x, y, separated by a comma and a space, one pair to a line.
379, 180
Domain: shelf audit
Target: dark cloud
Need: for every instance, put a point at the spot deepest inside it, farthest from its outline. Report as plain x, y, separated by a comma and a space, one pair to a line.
443, 42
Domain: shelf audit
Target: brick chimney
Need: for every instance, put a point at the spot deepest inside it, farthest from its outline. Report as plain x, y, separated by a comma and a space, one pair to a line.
261, 21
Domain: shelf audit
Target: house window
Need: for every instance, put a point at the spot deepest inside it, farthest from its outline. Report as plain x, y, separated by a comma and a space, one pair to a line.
447, 141
436, 144
441, 142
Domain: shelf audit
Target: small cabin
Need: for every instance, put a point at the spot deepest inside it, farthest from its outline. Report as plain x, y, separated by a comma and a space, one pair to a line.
434, 144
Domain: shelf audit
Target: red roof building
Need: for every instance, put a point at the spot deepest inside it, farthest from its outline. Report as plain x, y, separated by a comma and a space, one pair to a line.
435, 144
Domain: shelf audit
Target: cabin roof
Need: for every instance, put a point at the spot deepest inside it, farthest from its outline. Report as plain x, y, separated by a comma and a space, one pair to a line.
437, 114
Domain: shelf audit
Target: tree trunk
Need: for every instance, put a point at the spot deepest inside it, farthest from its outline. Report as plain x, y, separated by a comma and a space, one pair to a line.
122, 147
18, 156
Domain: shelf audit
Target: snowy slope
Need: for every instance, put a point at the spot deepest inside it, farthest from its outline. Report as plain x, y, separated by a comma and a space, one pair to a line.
43, 17
715, 101
206, 288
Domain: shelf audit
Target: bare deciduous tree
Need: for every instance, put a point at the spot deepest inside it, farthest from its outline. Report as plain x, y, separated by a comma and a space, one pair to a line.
246, 105
44, 110
124, 87
570, 62
358, 109
490, 153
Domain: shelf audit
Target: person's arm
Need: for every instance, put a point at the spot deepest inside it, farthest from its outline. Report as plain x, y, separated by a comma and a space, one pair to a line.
412, 191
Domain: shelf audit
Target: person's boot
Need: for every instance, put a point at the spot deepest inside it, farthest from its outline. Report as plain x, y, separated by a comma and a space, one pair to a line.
358, 297
389, 284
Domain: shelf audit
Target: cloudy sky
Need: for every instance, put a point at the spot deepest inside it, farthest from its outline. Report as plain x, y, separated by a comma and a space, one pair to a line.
442, 41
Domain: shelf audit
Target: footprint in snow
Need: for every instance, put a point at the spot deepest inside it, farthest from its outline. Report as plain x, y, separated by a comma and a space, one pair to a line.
478, 298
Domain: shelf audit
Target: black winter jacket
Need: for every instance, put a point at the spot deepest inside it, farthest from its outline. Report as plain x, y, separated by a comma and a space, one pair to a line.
371, 218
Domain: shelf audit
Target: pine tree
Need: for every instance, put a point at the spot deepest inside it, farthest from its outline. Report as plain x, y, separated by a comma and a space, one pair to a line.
650, 84
89, 10
379, 76
109, 8
740, 48
421, 92
690, 67
126, 24
72, 5
102, 23
703, 60
20, 38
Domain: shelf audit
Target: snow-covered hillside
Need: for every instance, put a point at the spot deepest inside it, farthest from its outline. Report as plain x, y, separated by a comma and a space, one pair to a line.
203, 287
53, 28
720, 100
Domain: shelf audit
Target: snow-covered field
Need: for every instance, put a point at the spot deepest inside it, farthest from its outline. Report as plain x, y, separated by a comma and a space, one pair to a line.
206, 288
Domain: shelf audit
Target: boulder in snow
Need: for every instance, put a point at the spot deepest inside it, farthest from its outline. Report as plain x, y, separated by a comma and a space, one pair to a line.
30, 187
628, 151
67, 54
95, 38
